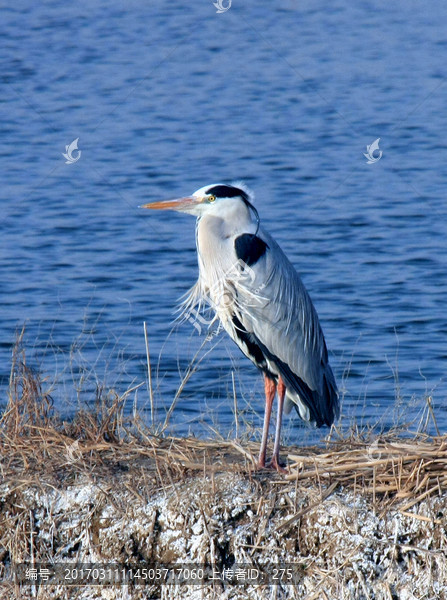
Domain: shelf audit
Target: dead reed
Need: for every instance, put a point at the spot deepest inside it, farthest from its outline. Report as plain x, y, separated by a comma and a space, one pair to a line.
100, 446
34, 440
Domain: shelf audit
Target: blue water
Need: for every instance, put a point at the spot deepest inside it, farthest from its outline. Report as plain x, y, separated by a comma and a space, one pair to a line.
166, 97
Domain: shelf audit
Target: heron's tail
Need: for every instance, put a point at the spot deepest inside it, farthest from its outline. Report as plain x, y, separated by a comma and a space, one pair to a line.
318, 408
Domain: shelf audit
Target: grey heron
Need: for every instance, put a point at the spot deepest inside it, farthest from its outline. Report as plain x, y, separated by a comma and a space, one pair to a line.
262, 303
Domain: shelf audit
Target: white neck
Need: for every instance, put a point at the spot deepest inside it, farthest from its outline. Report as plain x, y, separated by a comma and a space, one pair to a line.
215, 234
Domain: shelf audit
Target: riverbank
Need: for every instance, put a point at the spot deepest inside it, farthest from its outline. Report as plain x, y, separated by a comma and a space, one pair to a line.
91, 504
189, 503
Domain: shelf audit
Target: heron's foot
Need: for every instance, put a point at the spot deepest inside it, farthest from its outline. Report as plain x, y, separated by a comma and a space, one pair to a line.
275, 464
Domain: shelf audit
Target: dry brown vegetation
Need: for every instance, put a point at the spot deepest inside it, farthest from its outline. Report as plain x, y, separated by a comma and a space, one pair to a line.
360, 518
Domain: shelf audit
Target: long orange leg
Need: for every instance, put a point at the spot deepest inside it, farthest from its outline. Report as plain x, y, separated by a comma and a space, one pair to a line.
270, 391
275, 458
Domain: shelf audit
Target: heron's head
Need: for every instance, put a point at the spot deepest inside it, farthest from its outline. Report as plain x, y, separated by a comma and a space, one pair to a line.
210, 199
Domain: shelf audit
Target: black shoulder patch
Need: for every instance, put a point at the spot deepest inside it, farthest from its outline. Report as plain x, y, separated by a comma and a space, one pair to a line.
227, 191
249, 248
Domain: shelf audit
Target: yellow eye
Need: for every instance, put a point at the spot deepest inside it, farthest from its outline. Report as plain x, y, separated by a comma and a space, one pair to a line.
211, 198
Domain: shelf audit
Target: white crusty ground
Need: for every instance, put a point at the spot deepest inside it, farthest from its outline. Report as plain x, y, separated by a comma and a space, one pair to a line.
347, 548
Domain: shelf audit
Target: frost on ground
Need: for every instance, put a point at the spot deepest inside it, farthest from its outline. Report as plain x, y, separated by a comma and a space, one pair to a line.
359, 519
343, 546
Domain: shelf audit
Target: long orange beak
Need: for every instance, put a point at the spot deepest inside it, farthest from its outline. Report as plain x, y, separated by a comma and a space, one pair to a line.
180, 204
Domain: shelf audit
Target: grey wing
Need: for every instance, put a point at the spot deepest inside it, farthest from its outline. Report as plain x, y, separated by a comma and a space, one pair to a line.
276, 312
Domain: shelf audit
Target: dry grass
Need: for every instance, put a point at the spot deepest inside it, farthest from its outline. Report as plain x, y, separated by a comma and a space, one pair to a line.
32, 437
38, 450
388, 467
